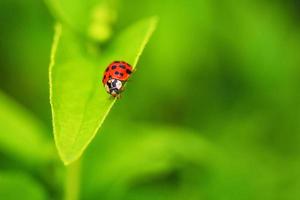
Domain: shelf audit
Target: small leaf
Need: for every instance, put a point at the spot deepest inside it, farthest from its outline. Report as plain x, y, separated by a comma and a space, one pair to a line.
79, 101
93, 18
16, 185
22, 136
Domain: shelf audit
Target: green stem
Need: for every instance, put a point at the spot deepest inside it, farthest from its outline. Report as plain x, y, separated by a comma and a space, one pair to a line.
72, 184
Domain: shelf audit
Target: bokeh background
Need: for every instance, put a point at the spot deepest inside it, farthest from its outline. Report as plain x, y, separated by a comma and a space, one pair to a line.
212, 112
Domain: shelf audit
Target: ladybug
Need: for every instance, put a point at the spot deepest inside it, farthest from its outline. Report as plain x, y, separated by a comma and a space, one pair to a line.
115, 76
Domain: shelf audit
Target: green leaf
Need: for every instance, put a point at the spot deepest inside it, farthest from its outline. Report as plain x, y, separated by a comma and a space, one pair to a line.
22, 135
79, 101
93, 18
16, 185
147, 152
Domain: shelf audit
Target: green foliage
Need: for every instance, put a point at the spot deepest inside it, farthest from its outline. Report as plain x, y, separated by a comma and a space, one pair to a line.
92, 18
212, 113
115, 168
23, 137
16, 185
79, 103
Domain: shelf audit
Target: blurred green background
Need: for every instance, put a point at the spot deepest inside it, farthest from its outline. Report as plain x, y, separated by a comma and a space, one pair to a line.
212, 112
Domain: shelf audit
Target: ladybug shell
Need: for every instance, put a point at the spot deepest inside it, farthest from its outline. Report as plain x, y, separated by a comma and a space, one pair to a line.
117, 70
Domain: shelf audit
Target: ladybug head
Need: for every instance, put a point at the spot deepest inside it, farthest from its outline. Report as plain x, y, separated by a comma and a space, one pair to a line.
113, 87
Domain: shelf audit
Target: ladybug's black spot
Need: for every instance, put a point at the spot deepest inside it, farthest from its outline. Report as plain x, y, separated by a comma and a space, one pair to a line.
122, 66
128, 71
121, 74
113, 67
116, 73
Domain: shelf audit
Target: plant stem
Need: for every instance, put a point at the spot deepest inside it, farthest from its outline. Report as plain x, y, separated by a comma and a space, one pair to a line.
72, 184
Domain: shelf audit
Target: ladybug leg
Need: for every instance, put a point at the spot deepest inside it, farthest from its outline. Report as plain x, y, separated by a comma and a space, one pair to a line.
113, 97
133, 70
122, 88
119, 96
129, 80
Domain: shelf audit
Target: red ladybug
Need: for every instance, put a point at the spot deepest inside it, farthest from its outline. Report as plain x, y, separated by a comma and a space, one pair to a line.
115, 76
